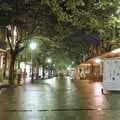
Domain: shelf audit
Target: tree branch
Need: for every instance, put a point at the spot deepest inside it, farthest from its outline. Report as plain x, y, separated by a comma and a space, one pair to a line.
18, 50
10, 45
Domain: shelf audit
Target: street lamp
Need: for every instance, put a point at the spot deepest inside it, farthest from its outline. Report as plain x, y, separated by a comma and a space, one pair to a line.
73, 62
33, 46
69, 68
49, 61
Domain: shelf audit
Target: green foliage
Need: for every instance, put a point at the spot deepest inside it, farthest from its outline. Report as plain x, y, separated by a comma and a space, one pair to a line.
56, 24
5, 7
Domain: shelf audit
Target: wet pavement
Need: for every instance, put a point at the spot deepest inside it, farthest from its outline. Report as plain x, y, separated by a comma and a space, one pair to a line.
57, 99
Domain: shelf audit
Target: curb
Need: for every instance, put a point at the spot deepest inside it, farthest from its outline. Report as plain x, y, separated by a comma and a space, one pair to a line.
7, 86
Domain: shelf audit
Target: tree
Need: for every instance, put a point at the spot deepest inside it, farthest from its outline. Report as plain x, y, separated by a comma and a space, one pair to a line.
51, 18
23, 26
94, 15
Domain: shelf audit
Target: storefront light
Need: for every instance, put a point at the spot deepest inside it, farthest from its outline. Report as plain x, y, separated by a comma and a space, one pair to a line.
116, 50
98, 60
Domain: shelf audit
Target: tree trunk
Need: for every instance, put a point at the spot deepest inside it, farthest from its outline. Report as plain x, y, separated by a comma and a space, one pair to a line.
11, 70
49, 72
4, 73
43, 71
43, 66
37, 74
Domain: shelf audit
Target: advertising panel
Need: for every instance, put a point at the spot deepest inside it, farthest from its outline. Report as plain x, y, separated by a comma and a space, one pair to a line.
111, 74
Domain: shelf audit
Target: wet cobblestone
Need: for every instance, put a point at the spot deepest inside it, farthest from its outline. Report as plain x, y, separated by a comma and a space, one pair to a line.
56, 99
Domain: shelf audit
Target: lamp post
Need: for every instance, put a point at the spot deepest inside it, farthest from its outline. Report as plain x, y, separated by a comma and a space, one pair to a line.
32, 47
49, 61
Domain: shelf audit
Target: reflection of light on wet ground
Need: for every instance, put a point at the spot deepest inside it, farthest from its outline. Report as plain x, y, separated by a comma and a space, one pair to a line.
31, 99
59, 99
97, 87
51, 82
69, 83
99, 98
94, 100
41, 96
59, 90
59, 82
100, 102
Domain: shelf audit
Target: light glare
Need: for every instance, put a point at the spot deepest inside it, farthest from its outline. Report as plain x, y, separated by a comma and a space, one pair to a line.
68, 68
49, 60
33, 45
98, 60
116, 50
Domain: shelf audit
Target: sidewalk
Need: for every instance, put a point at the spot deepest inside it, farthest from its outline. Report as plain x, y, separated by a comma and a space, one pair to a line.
5, 84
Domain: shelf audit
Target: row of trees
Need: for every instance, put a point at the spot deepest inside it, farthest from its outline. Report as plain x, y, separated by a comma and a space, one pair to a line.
67, 30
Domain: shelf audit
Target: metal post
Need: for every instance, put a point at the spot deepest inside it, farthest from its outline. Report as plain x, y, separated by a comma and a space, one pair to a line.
32, 74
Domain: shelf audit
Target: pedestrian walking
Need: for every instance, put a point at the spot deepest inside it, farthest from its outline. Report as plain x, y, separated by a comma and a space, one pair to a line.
19, 74
24, 75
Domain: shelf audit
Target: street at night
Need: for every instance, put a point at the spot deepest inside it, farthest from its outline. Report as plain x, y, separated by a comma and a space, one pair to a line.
59, 59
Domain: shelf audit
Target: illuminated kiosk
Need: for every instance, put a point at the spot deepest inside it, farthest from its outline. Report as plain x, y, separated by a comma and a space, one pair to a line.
111, 74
